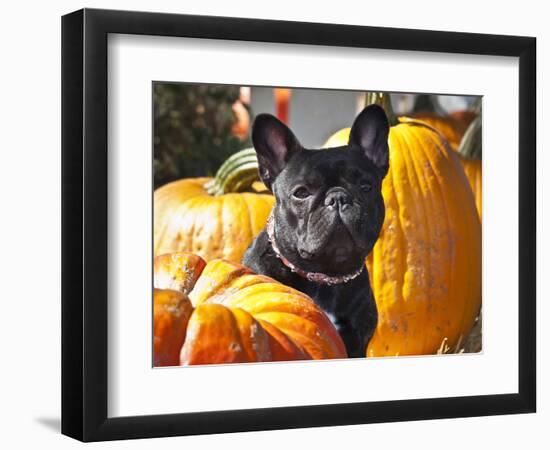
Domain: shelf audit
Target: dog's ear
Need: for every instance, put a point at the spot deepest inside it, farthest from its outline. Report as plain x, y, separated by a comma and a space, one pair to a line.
274, 144
369, 133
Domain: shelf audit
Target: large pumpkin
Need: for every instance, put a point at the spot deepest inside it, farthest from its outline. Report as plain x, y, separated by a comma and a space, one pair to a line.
425, 268
210, 216
221, 312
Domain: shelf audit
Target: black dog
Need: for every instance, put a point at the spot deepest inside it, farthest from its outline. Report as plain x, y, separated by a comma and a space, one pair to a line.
328, 214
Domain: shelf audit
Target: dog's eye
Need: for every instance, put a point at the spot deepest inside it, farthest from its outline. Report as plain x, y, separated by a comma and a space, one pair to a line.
301, 193
366, 186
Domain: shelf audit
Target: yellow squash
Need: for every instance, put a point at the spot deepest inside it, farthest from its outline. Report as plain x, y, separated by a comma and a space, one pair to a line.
425, 268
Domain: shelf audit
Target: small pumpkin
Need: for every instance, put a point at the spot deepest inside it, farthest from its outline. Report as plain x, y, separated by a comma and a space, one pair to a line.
425, 268
221, 312
213, 217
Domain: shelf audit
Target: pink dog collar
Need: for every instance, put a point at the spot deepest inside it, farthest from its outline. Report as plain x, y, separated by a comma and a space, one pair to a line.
316, 277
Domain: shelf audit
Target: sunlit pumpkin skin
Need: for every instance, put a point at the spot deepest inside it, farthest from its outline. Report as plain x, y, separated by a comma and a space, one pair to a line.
470, 151
188, 218
425, 268
171, 315
446, 126
472, 168
452, 126
236, 316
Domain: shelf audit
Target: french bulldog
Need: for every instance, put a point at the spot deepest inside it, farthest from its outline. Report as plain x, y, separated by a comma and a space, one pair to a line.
327, 217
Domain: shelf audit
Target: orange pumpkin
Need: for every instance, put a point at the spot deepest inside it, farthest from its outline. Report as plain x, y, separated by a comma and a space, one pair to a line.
472, 169
211, 216
221, 312
470, 156
425, 268
452, 126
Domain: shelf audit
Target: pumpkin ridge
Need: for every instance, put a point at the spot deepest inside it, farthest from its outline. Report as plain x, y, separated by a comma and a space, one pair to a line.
253, 293
438, 141
171, 218
316, 317
182, 212
160, 229
310, 346
289, 346
177, 271
433, 335
412, 141
255, 302
171, 313
428, 122
473, 228
161, 233
217, 287
248, 213
453, 266
227, 212
236, 348
399, 237
411, 275
166, 227
231, 219
444, 151
403, 188
452, 261
448, 182
400, 226
255, 349
383, 247
220, 228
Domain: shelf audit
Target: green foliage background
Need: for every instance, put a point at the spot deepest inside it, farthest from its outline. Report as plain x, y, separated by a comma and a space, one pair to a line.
192, 129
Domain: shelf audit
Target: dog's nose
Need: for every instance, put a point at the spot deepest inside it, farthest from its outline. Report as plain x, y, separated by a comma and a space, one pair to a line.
338, 198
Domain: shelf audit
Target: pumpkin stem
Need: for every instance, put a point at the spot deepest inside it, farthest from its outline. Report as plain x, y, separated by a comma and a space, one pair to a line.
382, 99
236, 174
470, 145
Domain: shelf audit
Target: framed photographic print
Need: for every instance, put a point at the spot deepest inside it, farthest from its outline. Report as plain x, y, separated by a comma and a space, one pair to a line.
274, 224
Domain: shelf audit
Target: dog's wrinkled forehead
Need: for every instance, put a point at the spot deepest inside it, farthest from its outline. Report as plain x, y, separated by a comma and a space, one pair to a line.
328, 167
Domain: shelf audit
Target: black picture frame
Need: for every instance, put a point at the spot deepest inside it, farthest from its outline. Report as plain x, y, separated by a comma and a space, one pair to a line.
84, 224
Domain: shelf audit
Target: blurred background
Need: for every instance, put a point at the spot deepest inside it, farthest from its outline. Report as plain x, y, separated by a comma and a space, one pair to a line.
197, 126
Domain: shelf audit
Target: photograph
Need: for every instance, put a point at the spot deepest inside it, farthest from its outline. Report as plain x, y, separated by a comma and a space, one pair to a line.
275, 225
297, 223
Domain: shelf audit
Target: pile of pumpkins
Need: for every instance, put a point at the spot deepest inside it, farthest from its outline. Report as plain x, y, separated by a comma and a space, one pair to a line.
425, 269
